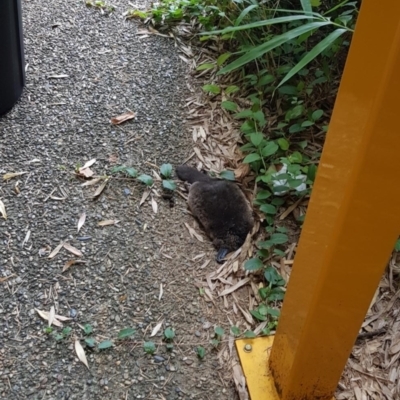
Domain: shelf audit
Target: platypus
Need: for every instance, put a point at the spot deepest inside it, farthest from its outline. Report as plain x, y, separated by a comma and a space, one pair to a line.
221, 208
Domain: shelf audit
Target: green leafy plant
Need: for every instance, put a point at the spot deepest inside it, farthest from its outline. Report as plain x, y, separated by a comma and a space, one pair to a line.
102, 5
218, 334
125, 333
87, 329
166, 173
169, 335
235, 331
129, 171
149, 347
201, 352
146, 179
106, 344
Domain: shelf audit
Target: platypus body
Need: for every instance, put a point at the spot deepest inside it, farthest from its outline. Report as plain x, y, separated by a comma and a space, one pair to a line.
221, 208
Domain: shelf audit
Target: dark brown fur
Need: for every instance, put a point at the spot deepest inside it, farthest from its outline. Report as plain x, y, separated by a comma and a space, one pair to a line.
221, 208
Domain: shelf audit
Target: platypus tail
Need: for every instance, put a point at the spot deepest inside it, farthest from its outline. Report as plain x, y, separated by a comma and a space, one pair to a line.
191, 175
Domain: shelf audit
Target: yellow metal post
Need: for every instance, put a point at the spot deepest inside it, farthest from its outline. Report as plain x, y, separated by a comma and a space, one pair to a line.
353, 219
352, 222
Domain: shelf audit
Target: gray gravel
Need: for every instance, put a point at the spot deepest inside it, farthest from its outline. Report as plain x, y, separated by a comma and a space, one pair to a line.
83, 68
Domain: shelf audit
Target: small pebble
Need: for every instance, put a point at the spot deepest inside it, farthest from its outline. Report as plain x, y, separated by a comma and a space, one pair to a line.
159, 359
73, 313
84, 238
197, 333
127, 192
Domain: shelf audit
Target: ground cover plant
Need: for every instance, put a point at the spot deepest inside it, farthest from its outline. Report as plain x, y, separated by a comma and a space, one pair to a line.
274, 66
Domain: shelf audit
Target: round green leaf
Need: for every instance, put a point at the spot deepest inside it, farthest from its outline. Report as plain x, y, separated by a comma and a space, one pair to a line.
149, 347
105, 345
168, 184
169, 333
219, 331
229, 105
283, 143
146, 179
249, 334
253, 264
90, 342
317, 114
212, 89
251, 158
87, 329
231, 89
279, 238
256, 138
268, 209
125, 333
166, 170
118, 168
235, 330
269, 149
131, 172
201, 352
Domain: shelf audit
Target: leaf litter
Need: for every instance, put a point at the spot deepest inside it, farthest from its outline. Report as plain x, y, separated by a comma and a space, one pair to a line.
81, 353
3, 210
123, 118
11, 175
81, 221
373, 371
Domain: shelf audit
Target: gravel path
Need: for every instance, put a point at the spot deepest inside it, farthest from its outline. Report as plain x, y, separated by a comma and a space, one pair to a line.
83, 68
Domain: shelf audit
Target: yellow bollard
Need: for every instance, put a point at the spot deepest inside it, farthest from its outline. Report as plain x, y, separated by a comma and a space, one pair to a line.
352, 222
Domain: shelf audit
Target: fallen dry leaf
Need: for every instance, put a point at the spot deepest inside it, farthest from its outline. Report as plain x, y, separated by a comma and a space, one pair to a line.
3, 210
154, 205
87, 172
161, 292
70, 263
52, 314
156, 329
91, 182
100, 188
108, 222
113, 158
81, 221
145, 195
11, 175
192, 233
88, 164
81, 353
56, 250
235, 287
123, 117
45, 316
27, 236
6, 278
72, 250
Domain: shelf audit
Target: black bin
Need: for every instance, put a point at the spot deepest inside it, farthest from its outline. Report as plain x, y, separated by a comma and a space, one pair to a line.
12, 63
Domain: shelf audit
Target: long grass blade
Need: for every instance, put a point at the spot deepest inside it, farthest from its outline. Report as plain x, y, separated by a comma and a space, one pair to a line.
260, 50
266, 22
306, 5
239, 19
314, 52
